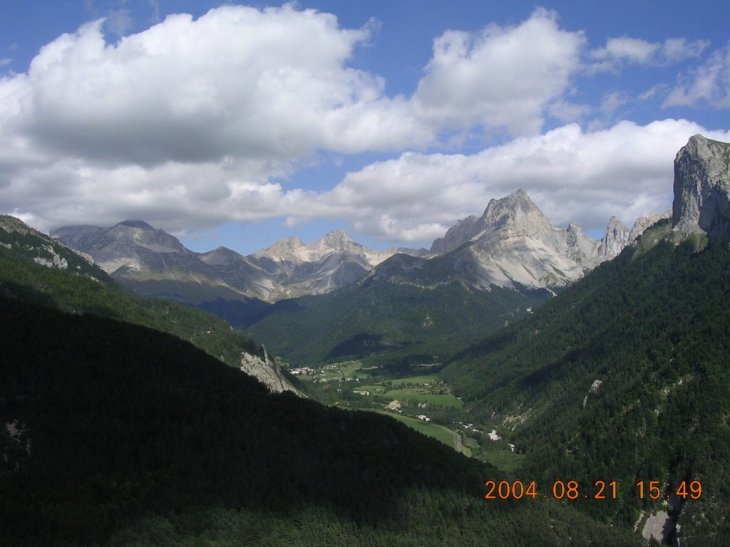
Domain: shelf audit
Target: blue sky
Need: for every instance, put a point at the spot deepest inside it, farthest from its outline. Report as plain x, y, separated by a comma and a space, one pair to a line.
239, 124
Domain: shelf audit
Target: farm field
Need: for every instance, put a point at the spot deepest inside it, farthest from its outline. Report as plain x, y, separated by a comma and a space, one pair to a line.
413, 400
438, 432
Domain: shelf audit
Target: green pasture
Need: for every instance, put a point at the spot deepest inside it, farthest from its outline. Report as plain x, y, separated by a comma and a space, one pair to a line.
414, 395
438, 432
426, 379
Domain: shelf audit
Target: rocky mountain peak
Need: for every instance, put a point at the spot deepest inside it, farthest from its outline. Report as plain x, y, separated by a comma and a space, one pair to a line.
336, 240
573, 228
702, 189
137, 233
284, 249
515, 211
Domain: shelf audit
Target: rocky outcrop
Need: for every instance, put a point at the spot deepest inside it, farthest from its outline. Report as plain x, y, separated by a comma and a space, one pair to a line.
519, 247
267, 372
616, 238
511, 245
702, 189
643, 223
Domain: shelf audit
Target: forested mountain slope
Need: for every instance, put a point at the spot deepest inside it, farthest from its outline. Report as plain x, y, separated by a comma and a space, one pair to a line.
388, 324
115, 434
625, 376
36, 268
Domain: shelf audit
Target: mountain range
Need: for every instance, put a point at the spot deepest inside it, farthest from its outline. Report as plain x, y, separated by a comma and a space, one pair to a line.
511, 245
121, 424
113, 433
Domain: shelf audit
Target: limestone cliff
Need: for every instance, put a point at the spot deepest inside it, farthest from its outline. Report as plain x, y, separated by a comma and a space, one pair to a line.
267, 372
702, 189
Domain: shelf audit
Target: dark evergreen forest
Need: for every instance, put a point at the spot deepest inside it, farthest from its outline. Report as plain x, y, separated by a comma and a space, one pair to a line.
116, 433
653, 328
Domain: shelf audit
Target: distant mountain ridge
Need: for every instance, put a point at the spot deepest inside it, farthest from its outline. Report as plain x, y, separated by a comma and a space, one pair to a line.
511, 245
154, 263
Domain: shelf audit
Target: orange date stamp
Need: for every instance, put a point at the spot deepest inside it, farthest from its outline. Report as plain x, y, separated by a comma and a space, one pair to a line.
599, 490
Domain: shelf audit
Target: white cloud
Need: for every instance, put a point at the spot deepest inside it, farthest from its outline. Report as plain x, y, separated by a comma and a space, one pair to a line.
572, 175
187, 124
503, 77
240, 95
634, 50
679, 49
236, 82
709, 84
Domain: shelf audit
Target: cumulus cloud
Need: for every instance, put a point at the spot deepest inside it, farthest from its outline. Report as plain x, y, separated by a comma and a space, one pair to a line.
572, 175
708, 84
240, 95
189, 123
502, 77
236, 82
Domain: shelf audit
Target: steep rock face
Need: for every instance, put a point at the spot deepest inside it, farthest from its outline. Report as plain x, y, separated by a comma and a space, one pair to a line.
616, 238
462, 231
580, 247
702, 189
267, 372
511, 245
